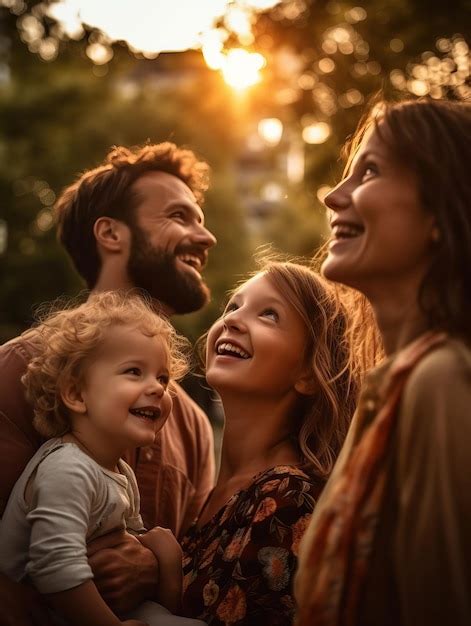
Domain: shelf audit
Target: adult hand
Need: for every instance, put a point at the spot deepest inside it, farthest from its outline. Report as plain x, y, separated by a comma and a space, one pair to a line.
164, 545
126, 573
169, 556
21, 605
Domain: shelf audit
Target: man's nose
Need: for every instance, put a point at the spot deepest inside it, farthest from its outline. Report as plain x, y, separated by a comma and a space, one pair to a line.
203, 237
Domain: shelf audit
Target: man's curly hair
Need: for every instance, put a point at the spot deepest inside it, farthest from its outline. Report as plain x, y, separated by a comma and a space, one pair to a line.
64, 342
107, 190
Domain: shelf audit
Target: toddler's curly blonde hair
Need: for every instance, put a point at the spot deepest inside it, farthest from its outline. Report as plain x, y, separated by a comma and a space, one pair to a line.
64, 341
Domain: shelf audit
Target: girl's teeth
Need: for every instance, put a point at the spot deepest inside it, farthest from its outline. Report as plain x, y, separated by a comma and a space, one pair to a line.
225, 348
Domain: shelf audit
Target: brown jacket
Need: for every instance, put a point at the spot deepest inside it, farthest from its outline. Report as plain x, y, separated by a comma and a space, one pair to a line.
174, 475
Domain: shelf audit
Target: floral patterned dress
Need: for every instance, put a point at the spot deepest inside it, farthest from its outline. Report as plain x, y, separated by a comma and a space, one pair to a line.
238, 567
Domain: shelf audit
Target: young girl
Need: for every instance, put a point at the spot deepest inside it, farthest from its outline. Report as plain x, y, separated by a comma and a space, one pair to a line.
100, 385
281, 360
390, 541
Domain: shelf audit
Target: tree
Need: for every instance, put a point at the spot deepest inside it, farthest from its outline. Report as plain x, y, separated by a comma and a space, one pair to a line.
59, 118
325, 59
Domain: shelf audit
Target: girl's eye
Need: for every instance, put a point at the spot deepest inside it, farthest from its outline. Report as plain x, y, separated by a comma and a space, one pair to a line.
271, 313
232, 306
134, 371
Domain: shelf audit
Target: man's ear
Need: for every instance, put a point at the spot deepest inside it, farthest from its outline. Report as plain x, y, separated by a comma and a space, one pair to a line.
110, 234
72, 397
306, 385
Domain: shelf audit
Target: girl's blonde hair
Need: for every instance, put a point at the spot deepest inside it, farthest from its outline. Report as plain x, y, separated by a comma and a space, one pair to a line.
342, 343
65, 340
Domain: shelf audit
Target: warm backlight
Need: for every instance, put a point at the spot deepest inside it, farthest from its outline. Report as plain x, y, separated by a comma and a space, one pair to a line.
241, 69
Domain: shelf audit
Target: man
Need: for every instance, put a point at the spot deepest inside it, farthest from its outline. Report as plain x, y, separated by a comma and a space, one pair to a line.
133, 222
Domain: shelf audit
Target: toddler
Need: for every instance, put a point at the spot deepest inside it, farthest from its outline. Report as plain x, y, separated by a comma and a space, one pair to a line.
100, 385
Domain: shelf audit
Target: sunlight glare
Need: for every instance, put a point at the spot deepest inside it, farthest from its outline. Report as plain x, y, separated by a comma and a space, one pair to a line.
149, 27
241, 69
238, 21
212, 47
316, 133
68, 16
271, 130
261, 5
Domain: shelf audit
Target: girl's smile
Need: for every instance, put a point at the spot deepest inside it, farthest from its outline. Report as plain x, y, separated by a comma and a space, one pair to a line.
257, 346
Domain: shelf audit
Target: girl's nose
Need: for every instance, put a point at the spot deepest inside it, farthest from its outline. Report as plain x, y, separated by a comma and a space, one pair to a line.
234, 320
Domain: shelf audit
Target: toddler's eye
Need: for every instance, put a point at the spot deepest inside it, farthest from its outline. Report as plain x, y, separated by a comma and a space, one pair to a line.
164, 379
134, 371
271, 313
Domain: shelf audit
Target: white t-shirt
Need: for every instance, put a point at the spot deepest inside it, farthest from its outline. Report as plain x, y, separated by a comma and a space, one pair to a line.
71, 501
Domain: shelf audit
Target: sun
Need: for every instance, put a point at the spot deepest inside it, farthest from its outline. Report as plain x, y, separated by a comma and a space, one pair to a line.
241, 69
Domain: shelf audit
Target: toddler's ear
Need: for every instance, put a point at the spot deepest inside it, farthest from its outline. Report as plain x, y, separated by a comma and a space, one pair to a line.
72, 397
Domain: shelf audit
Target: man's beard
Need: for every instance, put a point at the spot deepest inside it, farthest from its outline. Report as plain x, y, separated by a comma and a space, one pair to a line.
155, 270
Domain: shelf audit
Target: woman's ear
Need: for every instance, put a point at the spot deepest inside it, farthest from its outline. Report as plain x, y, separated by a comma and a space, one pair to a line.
71, 396
306, 385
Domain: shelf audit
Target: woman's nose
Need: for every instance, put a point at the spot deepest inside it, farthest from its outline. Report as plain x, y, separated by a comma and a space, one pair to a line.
339, 197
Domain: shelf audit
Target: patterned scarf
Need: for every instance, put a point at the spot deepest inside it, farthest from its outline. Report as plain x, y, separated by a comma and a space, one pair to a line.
341, 542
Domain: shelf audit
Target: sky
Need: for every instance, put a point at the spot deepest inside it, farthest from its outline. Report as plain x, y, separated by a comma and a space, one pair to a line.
153, 25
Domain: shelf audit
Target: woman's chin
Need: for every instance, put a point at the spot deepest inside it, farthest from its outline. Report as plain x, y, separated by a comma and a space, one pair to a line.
332, 269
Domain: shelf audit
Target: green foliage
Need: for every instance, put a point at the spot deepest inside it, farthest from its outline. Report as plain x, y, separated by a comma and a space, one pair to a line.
58, 118
347, 51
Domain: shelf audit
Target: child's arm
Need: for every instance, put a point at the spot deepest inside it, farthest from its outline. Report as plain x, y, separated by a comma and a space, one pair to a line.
84, 605
21, 605
169, 556
60, 500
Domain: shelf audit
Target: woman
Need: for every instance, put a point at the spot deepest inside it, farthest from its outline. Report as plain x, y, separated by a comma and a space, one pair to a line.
390, 542
281, 361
